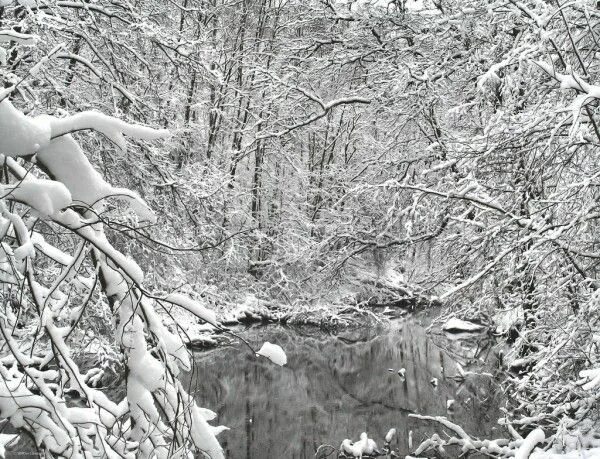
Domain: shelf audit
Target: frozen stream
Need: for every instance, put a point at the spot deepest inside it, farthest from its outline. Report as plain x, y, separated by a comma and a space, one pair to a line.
336, 386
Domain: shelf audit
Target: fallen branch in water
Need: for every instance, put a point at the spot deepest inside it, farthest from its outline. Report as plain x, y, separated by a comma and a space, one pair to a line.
501, 447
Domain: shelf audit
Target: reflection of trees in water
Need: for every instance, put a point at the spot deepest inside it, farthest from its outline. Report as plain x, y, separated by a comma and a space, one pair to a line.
333, 388
466, 348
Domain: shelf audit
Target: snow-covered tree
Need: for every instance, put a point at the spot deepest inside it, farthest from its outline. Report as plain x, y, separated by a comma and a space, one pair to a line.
58, 270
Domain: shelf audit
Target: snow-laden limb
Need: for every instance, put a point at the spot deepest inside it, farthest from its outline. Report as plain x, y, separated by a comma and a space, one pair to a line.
390, 435
535, 437
6, 439
192, 306
473, 279
35, 70
87, 63
490, 77
111, 127
25, 250
441, 166
173, 346
572, 81
21, 135
49, 250
540, 21
157, 417
88, 188
101, 413
151, 380
499, 447
25, 39
365, 446
593, 378
325, 109
32, 72
588, 91
45, 196
446, 423
45, 412
60, 155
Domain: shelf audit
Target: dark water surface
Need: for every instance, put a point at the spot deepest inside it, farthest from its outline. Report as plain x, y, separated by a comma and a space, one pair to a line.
337, 386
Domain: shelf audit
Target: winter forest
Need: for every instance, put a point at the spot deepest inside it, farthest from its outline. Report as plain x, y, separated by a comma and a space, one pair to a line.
300, 229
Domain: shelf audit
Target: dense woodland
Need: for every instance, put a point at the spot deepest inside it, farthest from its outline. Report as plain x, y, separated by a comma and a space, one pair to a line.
285, 151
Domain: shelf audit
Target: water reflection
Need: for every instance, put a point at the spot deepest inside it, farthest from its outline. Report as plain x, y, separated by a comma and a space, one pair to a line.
335, 387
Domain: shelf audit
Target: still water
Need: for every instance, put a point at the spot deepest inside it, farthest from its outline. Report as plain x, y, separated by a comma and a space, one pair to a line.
337, 386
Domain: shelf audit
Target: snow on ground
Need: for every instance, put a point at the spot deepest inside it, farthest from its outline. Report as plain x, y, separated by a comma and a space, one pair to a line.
593, 453
458, 325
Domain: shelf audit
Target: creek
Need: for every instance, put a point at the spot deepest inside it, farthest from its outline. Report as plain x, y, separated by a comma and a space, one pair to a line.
337, 385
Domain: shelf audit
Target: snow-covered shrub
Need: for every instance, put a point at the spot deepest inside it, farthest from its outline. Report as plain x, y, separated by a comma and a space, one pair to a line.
64, 285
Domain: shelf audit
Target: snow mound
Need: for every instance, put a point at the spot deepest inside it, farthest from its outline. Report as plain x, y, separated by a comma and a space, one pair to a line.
455, 325
593, 453
274, 353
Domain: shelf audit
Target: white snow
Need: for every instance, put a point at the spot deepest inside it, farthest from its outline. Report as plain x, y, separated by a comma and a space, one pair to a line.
63, 155
49, 250
593, 377
4, 439
111, 127
7, 36
458, 325
441, 166
364, 446
593, 453
152, 387
350, 448
390, 435
572, 81
60, 155
536, 436
203, 434
194, 307
274, 353
21, 135
367, 444
26, 248
45, 196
